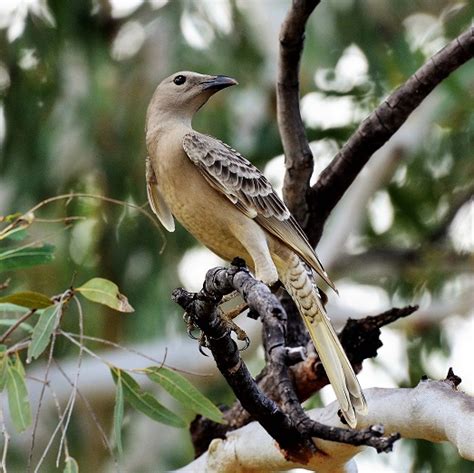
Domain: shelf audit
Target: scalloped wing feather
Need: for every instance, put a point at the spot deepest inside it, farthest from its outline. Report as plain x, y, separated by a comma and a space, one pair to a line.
244, 185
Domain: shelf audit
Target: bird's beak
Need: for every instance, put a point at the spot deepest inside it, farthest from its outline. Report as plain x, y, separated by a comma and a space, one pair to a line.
217, 83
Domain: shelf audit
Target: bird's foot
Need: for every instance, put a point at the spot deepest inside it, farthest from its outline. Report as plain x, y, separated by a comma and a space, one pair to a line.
228, 317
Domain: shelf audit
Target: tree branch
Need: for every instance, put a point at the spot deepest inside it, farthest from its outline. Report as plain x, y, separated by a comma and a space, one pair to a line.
288, 424
433, 411
378, 127
298, 155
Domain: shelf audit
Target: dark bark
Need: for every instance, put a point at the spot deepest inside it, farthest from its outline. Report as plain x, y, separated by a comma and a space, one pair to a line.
298, 155
286, 421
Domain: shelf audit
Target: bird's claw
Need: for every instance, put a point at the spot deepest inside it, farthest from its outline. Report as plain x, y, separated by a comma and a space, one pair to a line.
247, 344
190, 326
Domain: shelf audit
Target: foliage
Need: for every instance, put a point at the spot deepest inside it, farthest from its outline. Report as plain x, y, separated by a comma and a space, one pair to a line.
73, 99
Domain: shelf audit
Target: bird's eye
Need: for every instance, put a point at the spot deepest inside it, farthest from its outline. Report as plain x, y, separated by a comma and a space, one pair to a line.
179, 80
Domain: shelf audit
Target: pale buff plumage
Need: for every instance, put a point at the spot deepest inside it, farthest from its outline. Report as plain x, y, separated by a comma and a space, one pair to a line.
228, 205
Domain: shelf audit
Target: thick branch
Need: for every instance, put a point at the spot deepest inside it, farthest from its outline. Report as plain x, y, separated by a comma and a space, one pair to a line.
298, 155
360, 339
203, 308
433, 411
379, 126
288, 424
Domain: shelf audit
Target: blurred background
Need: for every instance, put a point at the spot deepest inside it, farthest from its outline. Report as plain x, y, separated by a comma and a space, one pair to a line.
75, 81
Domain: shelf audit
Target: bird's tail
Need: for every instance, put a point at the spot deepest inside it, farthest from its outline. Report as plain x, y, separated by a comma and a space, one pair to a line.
299, 282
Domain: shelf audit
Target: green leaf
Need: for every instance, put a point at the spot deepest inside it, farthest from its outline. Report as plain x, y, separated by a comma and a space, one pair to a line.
18, 365
24, 257
18, 402
7, 307
145, 402
118, 414
105, 292
16, 234
30, 299
71, 466
182, 390
9, 322
43, 330
3, 367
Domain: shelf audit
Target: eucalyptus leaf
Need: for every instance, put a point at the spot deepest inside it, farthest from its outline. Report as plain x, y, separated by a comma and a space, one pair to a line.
71, 466
18, 402
9, 322
183, 391
105, 292
29, 299
25, 257
145, 402
43, 331
16, 234
8, 307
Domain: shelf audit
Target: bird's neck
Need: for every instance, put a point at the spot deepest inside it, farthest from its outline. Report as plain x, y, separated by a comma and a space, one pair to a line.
166, 124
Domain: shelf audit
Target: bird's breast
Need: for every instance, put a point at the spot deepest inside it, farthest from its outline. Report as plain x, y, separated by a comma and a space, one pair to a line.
207, 214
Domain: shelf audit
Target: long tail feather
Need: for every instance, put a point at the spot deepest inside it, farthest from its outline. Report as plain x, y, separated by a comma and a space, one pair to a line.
298, 281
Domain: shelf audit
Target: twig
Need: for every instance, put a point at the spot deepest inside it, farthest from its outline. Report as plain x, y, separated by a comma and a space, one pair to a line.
13, 327
298, 155
76, 379
64, 297
378, 127
72, 195
58, 409
91, 413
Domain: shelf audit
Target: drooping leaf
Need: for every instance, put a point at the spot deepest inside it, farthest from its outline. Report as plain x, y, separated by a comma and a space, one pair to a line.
145, 402
118, 414
7, 307
25, 257
3, 367
18, 365
105, 292
29, 299
71, 466
16, 234
183, 391
9, 322
18, 402
42, 332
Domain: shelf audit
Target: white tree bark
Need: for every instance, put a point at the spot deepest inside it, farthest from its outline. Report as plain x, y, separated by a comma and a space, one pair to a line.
433, 411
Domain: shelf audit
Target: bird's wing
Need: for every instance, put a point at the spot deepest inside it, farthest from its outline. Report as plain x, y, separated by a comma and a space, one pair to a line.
157, 203
245, 186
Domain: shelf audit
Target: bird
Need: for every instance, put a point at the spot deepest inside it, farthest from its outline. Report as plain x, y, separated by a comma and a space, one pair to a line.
228, 205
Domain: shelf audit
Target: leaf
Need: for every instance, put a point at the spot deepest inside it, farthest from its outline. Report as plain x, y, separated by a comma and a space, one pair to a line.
118, 414
18, 402
105, 292
145, 402
24, 257
182, 390
3, 367
71, 466
16, 234
18, 365
7, 307
9, 322
42, 332
30, 299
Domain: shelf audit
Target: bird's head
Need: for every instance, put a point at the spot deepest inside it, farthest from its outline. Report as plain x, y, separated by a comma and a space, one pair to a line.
181, 95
